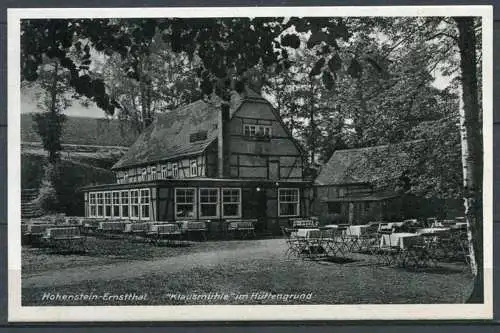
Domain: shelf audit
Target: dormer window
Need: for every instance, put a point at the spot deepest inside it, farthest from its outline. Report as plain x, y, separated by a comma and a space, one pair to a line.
198, 136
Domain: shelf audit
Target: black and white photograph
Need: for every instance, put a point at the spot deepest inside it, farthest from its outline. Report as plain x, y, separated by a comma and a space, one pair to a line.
250, 163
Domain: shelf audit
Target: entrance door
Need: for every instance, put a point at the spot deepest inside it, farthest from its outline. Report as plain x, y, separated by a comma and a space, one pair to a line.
255, 207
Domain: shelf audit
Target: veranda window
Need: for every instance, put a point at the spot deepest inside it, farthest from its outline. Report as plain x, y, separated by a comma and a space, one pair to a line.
209, 202
100, 204
134, 204
288, 199
185, 203
125, 203
92, 205
116, 204
231, 202
145, 199
107, 204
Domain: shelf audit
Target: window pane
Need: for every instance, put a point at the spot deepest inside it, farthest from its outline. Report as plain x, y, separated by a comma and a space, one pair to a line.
145, 211
288, 209
231, 209
184, 210
208, 210
288, 202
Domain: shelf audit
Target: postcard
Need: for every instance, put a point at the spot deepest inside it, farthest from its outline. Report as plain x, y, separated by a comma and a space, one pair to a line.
250, 163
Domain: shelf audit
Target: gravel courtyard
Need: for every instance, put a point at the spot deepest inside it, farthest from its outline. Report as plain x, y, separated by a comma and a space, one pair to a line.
230, 268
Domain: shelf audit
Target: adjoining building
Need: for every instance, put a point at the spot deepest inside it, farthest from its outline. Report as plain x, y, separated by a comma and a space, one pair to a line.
204, 161
369, 184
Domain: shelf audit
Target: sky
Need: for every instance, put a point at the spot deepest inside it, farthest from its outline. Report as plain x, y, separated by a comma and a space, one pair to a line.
29, 101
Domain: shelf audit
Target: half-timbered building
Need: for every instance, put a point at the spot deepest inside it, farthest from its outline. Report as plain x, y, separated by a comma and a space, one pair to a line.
204, 161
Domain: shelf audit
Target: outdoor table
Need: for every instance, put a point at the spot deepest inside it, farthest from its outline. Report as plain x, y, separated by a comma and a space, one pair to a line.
389, 225
330, 226
357, 230
68, 238
308, 233
400, 239
431, 230
304, 223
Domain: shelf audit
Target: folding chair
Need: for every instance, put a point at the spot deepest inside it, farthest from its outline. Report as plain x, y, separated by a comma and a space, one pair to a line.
421, 252
388, 253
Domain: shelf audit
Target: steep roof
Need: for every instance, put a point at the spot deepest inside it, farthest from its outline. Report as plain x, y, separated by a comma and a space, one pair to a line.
168, 136
363, 165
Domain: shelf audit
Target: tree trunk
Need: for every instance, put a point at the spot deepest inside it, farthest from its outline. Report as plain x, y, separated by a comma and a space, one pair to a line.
472, 152
53, 153
312, 125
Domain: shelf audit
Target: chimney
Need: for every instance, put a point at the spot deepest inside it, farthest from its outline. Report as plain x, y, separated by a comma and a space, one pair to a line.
221, 127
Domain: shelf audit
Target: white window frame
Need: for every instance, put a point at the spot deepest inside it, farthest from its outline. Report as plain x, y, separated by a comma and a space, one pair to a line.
147, 204
195, 203
228, 203
217, 203
132, 204
113, 205
92, 203
193, 165
100, 203
253, 129
153, 173
287, 202
122, 204
175, 170
107, 194
164, 171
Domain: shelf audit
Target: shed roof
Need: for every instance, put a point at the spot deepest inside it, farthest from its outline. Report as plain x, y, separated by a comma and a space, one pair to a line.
363, 165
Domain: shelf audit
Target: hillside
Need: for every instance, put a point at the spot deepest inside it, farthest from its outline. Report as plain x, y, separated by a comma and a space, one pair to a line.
85, 131
73, 176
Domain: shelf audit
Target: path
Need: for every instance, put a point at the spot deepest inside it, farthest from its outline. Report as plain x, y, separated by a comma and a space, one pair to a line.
135, 269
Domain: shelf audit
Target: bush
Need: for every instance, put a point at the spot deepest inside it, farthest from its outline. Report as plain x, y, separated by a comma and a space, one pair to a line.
47, 195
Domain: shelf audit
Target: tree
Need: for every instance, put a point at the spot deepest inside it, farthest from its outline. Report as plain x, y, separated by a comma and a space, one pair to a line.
53, 99
473, 149
165, 82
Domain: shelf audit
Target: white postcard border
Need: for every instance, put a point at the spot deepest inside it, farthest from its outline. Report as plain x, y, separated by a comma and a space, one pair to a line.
19, 313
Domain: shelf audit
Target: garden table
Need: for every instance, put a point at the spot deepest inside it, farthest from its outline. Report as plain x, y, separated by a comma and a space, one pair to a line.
400, 239
431, 230
308, 233
304, 223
